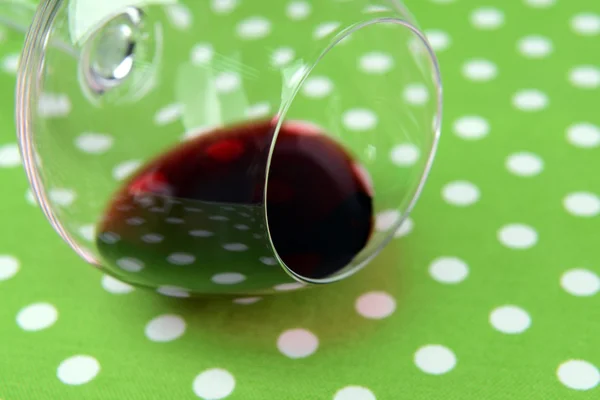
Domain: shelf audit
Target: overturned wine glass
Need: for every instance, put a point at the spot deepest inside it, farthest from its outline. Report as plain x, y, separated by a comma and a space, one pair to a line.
227, 147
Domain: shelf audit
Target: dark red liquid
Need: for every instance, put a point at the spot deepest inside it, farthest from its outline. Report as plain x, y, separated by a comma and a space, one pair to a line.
319, 207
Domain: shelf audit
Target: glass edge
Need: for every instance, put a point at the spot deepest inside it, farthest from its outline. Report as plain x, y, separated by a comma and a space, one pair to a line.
27, 93
426, 170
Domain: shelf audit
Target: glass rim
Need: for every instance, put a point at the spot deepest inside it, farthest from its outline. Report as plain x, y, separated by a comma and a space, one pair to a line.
436, 128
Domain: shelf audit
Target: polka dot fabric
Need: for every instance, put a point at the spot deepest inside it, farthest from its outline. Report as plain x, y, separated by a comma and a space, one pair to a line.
494, 278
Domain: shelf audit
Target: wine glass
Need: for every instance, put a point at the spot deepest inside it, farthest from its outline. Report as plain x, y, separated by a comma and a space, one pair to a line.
227, 147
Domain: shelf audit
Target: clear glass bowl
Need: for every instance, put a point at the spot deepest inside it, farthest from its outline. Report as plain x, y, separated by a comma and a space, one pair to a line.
210, 147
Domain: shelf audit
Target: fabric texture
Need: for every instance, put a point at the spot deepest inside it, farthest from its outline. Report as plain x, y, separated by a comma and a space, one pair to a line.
489, 291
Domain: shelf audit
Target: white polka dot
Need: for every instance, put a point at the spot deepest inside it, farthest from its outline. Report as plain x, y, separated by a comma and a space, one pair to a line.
94, 143
214, 384
535, 46
268, 261
235, 247
258, 110
37, 317
130, 264
10, 156
152, 238
168, 114
518, 236
254, 28
78, 370
435, 359
578, 375
416, 94
524, 164
288, 287
247, 300
376, 63
179, 15
375, 8
461, 193
135, 221
62, 197
227, 82
297, 343
228, 278
9, 266
115, 286
317, 87
10, 63
218, 218
480, 70
109, 237
405, 229
582, 204
471, 127
354, 393
586, 24
87, 232
223, 6
359, 119
405, 155
325, 29
386, 220
530, 100
375, 305
165, 328
580, 282
54, 105
449, 270
298, 10
487, 18
125, 169
540, 3
510, 319
173, 291
439, 40
201, 54
282, 56
201, 233
584, 135
585, 77
181, 259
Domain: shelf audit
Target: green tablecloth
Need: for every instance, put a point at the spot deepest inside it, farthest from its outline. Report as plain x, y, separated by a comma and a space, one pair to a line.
490, 292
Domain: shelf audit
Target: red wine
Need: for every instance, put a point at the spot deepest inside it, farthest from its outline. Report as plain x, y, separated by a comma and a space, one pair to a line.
202, 204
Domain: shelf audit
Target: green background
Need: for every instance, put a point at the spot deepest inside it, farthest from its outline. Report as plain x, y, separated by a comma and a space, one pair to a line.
413, 324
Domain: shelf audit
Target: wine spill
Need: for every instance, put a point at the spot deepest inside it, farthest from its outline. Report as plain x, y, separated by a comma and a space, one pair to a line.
201, 205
